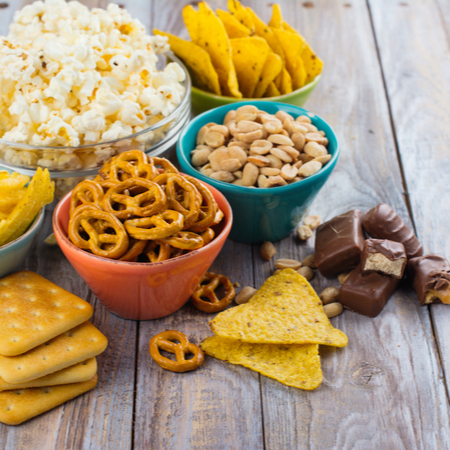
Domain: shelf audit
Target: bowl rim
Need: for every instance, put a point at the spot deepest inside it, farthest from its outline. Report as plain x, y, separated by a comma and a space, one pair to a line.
59, 233
247, 190
37, 221
184, 102
304, 88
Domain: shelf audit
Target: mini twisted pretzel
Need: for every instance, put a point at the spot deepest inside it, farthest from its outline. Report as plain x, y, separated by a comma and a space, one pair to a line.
125, 165
84, 207
155, 254
208, 235
166, 165
185, 240
122, 170
86, 221
182, 196
154, 227
208, 290
86, 192
164, 341
151, 201
134, 250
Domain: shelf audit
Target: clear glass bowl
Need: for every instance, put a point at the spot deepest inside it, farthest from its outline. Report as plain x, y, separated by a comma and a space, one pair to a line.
78, 163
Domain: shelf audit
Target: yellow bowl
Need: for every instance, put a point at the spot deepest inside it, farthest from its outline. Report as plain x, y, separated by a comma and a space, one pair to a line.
202, 101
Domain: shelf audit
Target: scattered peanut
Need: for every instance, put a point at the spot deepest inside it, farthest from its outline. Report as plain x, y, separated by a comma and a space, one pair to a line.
247, 292
332, 310
304, 232
306, 272
287, 264
342, 277
312, 221
309, 261
268, 250
329, 295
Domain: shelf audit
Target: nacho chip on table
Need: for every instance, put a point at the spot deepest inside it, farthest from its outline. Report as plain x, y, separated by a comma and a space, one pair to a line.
249, 57
212, 37
272, 91
272, 67
235, 29
197, 60
292, 365
241, 14
285, 310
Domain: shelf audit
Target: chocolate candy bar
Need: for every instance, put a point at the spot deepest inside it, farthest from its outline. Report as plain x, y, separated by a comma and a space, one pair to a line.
430, 277
367, 293
339, 243
382, 222
386, 257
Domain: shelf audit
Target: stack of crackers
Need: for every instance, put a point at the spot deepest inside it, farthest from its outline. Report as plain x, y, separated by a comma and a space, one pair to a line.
47, 347
277, 333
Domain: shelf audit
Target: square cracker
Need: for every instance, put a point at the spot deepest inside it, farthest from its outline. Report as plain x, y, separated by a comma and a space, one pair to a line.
72, 347
78, 373
21, 405
34, 310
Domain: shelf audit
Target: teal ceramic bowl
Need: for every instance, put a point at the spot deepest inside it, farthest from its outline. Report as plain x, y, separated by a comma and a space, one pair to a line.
13, 254
202, 101
261, 214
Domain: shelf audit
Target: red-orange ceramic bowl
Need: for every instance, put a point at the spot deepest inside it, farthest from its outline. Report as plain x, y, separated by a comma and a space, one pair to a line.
142, 291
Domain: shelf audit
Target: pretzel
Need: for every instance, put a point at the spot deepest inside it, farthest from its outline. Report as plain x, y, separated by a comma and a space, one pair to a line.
98, 240
154, 227
182, 196
151, 201
164, 341
208, 235
208, 290
132, 165
134, 250
156, 255
186, 240
86, 192
166, 165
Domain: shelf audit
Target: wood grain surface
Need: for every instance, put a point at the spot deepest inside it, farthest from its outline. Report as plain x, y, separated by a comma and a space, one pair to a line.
385, 92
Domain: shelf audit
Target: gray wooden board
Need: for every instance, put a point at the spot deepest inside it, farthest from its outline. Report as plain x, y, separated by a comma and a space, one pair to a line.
417, 74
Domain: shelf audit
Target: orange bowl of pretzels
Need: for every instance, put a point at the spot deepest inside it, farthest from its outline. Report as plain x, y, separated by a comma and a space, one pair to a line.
142, 234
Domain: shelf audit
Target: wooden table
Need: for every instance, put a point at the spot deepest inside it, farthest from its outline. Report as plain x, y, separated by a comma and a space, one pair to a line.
385, 90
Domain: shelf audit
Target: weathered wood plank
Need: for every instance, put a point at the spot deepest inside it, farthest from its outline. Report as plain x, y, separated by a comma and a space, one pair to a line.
416, 70
376, 391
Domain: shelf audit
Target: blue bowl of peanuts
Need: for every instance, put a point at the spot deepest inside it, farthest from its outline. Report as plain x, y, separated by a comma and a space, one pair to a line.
269, 159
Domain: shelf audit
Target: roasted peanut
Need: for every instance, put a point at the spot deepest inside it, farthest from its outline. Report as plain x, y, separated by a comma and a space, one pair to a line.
217, 156
276, 180
214, 139
312, 221
306, 272
342, 277
247, 109
231, 165
259, 160
245, 295
246, 116
232, 128
275, 162
281, 154
273, 126
303, 119
201, 135
267, 250
269, 171
290, 151
282, 115
229, 116
238, 182
311, 128
238, 153
268, 118
304, 232
309, 261
250, 137
261, 146
289, 172
314, 149
309, 168
304, 158
298, 164
298, 128
206, 170
220, 129
238, 174
332, 309
280, 139
329, 295
316, 137
200, 157
249, 174
322, 159
246, 126
223, 175
263, 182
288, 264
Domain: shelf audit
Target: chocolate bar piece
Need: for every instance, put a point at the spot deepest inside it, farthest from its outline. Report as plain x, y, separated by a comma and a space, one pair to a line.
367, 293
339, 243
386, 257
430, 275
382, 222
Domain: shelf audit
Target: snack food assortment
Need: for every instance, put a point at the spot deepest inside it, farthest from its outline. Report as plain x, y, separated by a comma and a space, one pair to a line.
236, 54
134, 212
47, 347
19, 203
254, 148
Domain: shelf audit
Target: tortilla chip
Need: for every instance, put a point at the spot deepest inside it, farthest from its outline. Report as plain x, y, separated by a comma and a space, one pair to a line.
212, 37
272, 67
293, 45
197, 59
234, 28
284, 82
285, 310
272, 91
249, 57
292, 365
191, 22
276, 21
241, 14
299, 75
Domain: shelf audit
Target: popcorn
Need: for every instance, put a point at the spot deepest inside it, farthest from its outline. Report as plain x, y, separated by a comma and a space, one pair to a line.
71, 76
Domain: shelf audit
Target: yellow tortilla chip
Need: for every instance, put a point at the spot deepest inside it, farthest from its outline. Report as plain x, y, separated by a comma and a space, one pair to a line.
241, 14
234, 28
293, 45
197, 59
292, 365
299, 75
285, 310
276, 21
284, 82
272, 67
212, 37
190, 19
272, 91
249, 56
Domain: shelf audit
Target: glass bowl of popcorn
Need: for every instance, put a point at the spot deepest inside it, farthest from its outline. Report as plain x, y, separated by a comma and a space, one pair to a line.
78, 86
